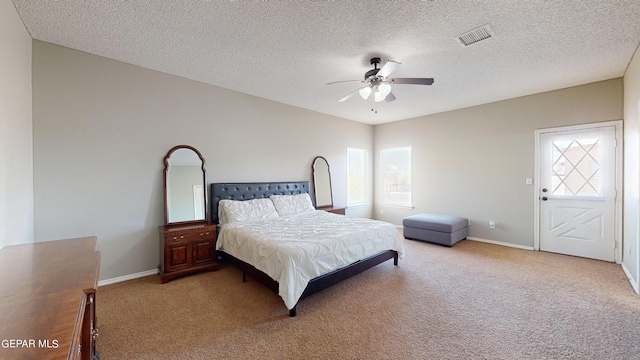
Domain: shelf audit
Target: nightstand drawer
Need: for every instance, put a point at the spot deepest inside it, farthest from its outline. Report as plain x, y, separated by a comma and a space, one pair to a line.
332, 209
200, 235
176, 240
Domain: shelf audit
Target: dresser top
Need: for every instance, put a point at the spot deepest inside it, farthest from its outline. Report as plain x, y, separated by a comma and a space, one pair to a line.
41, 293
193, 227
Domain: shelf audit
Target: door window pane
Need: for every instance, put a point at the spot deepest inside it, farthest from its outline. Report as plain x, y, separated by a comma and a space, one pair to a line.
576, 167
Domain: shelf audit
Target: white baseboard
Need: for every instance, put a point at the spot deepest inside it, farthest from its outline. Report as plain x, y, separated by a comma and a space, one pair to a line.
634, 284
501, 243
118, 279
127, 277
492, 242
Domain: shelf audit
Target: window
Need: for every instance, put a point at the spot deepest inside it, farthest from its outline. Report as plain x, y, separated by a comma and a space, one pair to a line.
356, 177
396, 176
576, 168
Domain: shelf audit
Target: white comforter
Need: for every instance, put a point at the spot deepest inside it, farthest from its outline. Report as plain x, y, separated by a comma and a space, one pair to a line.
297, 248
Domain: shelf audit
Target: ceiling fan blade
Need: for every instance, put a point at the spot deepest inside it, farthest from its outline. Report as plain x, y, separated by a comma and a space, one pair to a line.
343, 81
388, 68
412, 81
349, 95
390, 97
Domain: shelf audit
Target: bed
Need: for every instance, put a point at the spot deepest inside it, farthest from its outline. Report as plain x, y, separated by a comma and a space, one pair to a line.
299, 250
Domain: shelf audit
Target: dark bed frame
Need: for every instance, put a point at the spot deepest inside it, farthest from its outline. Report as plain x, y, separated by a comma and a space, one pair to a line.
249, 191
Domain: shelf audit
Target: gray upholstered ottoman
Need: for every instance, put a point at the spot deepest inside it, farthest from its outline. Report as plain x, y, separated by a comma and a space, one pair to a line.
436, 228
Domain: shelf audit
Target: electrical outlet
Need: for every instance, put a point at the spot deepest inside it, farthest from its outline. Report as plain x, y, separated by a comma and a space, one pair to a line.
381, 212
492, 224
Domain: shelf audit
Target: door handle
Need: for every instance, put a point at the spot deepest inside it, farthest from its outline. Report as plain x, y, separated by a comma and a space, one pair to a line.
544, 198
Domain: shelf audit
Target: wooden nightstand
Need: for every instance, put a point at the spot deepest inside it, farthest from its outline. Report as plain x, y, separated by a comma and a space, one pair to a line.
333, 209
186, 249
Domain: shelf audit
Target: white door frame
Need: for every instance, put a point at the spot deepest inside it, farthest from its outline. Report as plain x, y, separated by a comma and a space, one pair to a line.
618, 182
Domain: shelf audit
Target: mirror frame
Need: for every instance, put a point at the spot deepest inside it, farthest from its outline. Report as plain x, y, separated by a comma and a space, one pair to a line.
315, 188
204, 185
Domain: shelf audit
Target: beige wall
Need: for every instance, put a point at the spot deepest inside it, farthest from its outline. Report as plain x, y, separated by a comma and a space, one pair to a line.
102, 127
631, 249
16, 151
473, 162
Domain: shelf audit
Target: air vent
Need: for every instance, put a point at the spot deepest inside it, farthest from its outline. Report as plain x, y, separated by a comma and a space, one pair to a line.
474, 36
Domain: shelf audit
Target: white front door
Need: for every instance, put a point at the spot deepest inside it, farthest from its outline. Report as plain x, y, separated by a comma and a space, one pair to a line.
577, 191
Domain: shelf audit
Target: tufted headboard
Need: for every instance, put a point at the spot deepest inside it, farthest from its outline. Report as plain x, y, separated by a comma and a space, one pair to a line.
248, 191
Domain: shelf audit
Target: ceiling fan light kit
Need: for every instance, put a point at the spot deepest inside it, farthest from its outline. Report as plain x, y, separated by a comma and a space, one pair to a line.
378, 82
365, 92
382, 91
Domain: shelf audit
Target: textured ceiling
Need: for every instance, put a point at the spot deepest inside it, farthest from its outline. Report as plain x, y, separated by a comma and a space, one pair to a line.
287, 51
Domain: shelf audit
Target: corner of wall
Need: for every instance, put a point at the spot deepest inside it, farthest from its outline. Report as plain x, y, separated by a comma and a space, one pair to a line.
631, 211
16, 130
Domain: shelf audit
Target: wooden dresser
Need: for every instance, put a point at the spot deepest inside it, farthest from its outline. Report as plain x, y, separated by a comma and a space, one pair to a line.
186, 249
48, 300
333, 209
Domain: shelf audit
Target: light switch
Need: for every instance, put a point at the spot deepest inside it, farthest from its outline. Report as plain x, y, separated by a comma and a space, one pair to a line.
528, 181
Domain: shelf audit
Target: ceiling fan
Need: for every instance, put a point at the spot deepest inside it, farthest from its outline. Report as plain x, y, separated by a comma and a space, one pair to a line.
378, 82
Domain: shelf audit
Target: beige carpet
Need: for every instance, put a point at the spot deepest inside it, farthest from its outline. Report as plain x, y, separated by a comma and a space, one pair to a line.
472, 301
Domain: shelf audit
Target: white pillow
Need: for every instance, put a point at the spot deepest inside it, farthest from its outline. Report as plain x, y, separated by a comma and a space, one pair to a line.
292, 204
235, 210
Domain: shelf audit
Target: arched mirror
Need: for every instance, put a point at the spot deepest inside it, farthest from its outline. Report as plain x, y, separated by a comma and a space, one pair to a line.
184, 186
322, 182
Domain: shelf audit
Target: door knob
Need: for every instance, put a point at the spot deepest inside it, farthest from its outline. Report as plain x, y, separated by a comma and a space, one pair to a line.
544, 198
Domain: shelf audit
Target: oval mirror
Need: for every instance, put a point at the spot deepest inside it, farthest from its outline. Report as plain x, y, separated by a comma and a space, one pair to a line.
184, 186
322, 182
